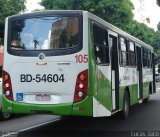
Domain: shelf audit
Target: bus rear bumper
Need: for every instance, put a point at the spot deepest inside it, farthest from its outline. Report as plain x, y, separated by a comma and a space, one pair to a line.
83, 108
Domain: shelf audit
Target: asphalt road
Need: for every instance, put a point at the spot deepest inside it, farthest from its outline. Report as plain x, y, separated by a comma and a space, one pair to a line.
144, 120
26, 122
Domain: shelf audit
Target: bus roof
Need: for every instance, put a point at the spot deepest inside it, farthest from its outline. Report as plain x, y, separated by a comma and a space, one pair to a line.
119, 31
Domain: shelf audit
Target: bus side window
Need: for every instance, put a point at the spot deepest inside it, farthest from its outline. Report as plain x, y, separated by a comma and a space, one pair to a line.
101, 44
150, 60
132, 55
123, 52
145, 58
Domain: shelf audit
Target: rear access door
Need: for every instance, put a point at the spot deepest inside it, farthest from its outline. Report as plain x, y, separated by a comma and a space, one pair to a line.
114, 69
139, 72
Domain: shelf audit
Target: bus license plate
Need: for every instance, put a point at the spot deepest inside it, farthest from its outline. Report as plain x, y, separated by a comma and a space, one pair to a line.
43, 97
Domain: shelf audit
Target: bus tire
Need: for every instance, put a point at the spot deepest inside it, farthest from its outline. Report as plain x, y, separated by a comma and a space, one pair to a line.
126, 104
4, 116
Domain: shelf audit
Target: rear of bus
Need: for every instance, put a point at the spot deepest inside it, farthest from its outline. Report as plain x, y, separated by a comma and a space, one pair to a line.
46, 64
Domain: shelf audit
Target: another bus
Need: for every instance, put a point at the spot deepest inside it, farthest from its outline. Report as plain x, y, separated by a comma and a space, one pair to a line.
73, 63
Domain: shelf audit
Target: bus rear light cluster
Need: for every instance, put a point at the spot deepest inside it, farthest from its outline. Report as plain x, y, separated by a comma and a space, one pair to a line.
81, 89
7, 86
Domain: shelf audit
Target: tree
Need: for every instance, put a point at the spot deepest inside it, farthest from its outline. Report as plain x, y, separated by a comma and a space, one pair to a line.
156, 44
117, 12
8, 8
141, 31
146, 34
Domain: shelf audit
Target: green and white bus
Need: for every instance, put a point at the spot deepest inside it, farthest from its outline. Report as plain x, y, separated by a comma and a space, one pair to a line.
73, 63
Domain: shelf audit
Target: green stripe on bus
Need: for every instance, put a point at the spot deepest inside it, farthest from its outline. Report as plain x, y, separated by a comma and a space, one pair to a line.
6, 105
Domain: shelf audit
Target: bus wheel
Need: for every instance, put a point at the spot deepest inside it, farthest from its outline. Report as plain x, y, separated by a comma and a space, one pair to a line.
4, 116
125, 111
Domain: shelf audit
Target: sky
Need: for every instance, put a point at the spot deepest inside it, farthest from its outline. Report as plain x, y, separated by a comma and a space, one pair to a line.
151, 10
33, 4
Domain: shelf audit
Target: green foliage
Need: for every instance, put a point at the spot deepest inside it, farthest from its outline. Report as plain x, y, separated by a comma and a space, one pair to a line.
141, 31
57, 4
156, 44
117, 12
8, 8
146, 34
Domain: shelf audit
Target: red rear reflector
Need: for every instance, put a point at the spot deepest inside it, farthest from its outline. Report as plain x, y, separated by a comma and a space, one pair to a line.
82, 108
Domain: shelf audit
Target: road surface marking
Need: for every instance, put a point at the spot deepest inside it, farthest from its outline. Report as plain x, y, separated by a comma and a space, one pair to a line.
8, 134
38, 125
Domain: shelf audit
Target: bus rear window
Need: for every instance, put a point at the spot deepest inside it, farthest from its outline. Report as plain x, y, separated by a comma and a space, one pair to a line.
44, 33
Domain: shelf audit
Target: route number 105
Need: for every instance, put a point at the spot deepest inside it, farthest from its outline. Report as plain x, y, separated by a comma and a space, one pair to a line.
81, 58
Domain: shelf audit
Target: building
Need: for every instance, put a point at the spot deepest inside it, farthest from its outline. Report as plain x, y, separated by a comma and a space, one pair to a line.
62, 31
140, 13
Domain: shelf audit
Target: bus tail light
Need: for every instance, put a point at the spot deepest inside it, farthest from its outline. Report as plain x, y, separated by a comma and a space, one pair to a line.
81, 89
7, 86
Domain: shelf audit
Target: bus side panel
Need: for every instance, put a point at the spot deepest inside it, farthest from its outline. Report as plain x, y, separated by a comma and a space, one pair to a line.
153, 69
147, 79
92, 70
145, 89
99, 84
128, 81
133, 91
104, 87
121, 96
85, 107
133, 94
